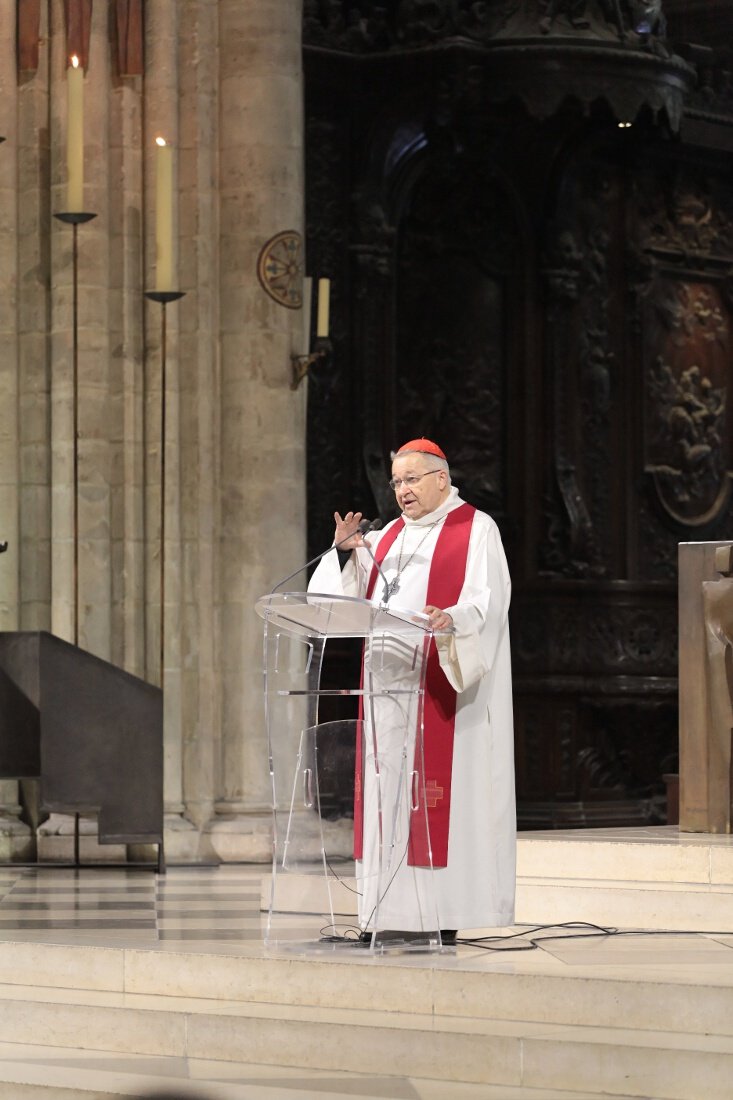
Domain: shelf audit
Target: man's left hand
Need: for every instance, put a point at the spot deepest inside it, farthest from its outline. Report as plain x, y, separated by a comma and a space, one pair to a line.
439, 620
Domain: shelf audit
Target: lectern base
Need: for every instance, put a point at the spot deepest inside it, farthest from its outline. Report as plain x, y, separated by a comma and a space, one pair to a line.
387, 943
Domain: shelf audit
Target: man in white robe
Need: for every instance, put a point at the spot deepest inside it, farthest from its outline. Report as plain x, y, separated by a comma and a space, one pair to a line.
472, 885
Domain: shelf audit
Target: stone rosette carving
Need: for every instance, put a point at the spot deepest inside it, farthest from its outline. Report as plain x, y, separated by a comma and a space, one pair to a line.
595, 635
280, 268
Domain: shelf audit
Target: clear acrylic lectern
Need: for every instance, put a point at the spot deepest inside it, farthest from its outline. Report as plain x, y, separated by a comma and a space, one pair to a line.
312, 854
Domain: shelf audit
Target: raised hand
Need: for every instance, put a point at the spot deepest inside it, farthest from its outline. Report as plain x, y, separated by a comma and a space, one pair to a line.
347, 535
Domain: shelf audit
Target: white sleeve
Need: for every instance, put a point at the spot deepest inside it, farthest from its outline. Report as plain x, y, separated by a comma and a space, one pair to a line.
330, 580
353, 579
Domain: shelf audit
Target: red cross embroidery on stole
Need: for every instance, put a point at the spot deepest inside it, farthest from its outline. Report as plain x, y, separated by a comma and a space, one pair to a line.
433, 793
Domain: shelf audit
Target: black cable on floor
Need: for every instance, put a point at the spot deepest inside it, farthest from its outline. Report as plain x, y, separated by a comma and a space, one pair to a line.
486, 943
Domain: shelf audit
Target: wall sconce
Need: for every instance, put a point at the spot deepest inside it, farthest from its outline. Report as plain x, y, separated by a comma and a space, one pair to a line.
300, 364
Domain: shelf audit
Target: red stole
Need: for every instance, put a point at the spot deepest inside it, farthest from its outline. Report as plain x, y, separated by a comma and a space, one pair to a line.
445, 581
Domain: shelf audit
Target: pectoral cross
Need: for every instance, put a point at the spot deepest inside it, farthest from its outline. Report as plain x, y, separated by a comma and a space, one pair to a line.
390, 589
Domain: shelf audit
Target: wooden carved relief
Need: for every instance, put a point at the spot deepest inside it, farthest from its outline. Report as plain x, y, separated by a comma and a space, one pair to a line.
582, 367
601, 770
617, 757
451, 259
330, 443
457, 260
593, 635
373, 267
688, 355
685, 231
372, 24
684, 210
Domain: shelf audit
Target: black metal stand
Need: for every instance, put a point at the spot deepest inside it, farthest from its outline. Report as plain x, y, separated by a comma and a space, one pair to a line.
163, 297
75, 219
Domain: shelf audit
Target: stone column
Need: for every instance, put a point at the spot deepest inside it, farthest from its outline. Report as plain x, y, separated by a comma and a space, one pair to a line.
14, 836
96, 410
164, 52
262, 422
30, 190
126, 338
108, 408
198, 407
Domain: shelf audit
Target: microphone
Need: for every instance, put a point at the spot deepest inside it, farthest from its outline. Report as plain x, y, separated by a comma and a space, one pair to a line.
364, 527
374, 526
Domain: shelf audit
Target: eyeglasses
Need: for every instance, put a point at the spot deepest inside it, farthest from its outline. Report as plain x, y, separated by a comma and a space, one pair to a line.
410, 480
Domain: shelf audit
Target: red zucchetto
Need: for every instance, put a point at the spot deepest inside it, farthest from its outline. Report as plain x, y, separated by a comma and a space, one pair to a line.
426, 446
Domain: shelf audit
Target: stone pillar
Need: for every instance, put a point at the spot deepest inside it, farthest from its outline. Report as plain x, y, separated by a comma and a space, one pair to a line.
108, 319
262, 422
223, 84
198, 408
127, 342
165, 46
14, 836
30, 190
97, 428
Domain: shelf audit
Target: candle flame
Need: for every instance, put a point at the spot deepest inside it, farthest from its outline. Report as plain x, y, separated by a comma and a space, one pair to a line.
75, 61
160, 141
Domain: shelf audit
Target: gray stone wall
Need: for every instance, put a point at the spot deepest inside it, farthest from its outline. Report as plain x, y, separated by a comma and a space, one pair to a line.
223, 83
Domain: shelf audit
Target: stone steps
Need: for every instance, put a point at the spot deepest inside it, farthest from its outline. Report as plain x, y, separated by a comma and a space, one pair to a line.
613, 1017
658, 879
476, 1027
101, 1075
153, 979
594, 1060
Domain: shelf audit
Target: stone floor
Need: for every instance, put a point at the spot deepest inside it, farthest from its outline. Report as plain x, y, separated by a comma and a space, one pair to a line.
118, 982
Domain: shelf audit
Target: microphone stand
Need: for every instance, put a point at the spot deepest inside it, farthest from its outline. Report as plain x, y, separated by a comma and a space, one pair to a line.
364, 527
385, 597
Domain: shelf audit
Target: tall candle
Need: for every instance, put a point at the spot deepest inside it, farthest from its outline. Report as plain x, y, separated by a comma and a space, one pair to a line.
307, 299
74, 137
324, 296
163, 216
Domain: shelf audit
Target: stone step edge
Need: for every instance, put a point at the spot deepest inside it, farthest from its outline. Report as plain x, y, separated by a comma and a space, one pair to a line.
40, 1000
519, 1056
29, 1081
706, 912
306, 894
31, 1064
449, 992
639, 886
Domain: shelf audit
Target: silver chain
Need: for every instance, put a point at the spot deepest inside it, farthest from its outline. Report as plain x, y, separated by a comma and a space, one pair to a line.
394, 585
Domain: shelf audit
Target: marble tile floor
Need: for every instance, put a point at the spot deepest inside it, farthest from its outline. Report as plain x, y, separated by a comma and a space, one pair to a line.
211, 915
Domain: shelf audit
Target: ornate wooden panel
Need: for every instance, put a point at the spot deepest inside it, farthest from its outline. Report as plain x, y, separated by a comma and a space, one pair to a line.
456, 285
548, 295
